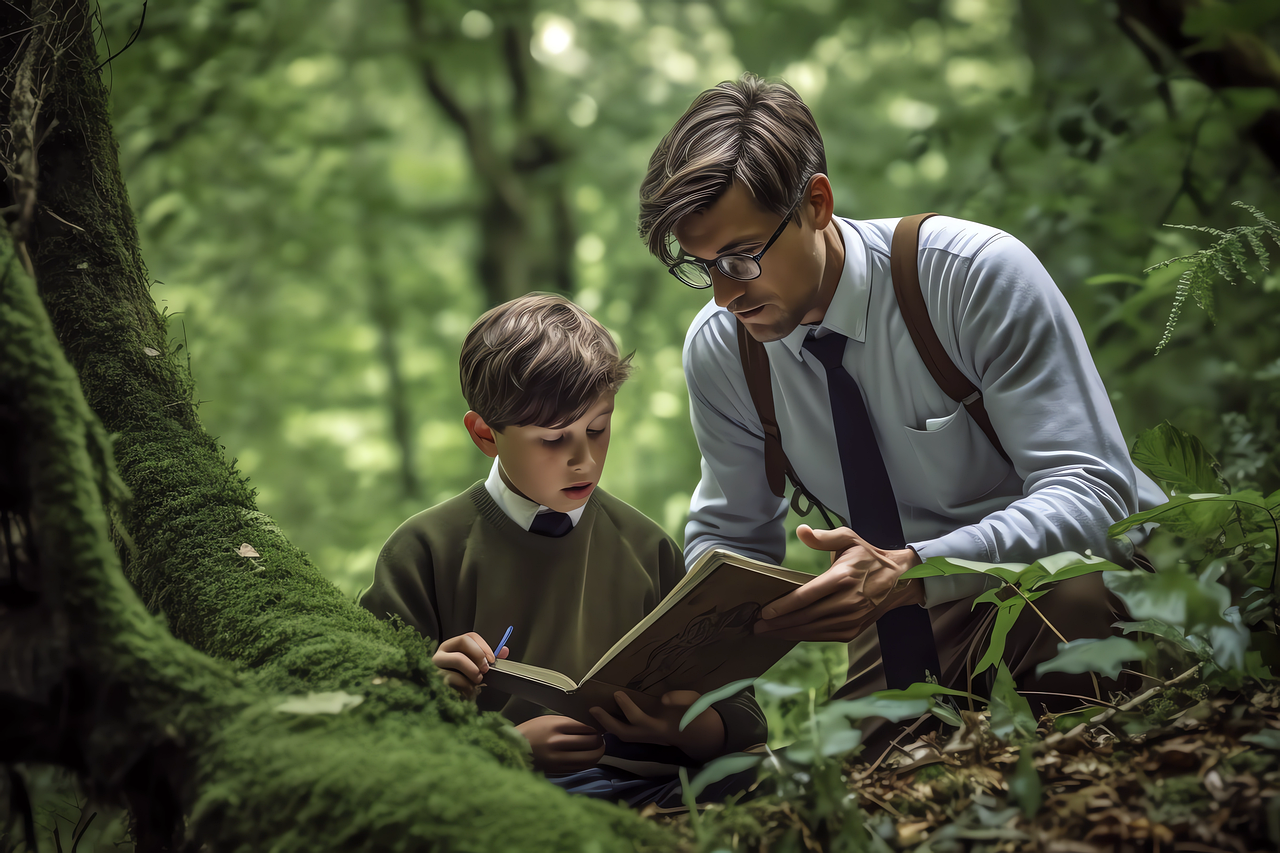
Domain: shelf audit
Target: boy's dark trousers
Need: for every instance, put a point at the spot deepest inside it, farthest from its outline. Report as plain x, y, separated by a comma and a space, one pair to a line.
605, 782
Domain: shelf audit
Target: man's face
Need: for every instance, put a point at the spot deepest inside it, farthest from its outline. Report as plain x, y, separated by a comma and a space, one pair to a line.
558, 468
789, 290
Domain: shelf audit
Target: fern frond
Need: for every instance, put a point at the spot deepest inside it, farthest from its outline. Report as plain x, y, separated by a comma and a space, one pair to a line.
1202, 228
1233, 248
1199, 281
1226, 257
1174, 313
1219, 260
1170, 262
1259, 249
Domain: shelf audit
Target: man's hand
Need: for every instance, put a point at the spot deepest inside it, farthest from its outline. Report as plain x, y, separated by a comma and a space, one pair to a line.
843, 601
562, 744
463, 660
701, 740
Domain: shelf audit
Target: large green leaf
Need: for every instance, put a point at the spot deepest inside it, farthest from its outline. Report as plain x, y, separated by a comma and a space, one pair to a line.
1195, 515
1055, 567
1106, 656
705, 701
924, 690
722, 767
878, 705
1178, 460
1007, 614
1173, 596
1011, 716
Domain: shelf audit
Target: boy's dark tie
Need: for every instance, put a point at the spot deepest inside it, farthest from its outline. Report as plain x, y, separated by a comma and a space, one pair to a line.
551, 523
907, 646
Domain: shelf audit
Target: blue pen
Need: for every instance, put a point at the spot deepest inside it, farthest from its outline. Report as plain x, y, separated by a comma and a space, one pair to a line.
503, 641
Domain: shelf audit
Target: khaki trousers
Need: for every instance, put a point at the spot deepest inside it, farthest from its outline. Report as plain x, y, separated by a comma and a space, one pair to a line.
1080, 607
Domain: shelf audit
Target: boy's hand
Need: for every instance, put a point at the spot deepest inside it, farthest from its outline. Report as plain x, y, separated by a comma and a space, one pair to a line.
562, 744
701, 740
463, 661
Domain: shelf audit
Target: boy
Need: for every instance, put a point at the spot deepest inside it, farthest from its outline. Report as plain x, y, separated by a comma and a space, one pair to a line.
540, 547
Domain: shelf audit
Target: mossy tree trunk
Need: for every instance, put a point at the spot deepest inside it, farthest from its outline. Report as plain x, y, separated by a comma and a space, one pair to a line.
181, 712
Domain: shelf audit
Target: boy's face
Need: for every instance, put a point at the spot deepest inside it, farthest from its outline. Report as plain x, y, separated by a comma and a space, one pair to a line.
558, 468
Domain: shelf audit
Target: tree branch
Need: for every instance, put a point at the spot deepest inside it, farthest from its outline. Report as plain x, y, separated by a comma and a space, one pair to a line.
1243, 60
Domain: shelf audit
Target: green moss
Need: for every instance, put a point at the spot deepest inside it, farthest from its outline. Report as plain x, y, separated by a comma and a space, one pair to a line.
412, 768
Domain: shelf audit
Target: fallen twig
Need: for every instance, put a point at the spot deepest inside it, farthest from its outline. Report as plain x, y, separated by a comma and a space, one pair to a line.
1057, 737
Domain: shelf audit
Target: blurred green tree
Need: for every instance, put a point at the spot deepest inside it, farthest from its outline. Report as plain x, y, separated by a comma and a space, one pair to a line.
331, 193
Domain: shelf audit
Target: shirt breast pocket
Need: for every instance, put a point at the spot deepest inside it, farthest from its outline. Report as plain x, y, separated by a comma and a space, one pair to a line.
960, 464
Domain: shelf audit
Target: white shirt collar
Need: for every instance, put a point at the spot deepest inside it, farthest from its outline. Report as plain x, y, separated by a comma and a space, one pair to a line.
519, 509
847, 313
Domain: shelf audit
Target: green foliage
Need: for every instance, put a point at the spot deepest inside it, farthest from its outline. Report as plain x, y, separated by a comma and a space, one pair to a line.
1025, 786
805, 676
1106, 656
1211, 601
1011, 716
1020, 585
706, 700
1177, 460
318, 224
1226, 257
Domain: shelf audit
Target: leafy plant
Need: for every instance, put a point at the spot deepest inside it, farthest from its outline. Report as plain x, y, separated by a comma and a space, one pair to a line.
1226, 257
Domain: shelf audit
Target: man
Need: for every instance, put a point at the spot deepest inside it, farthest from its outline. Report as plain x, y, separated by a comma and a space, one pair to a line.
736, 199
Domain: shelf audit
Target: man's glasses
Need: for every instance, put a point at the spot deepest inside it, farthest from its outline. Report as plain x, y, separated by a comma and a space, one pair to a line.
696, 272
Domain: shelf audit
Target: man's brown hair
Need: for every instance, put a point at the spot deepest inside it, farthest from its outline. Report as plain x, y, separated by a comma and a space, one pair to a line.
749, 130
538, 360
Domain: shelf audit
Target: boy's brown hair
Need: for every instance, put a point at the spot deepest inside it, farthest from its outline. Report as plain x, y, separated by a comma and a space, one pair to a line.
538, 360
749, 130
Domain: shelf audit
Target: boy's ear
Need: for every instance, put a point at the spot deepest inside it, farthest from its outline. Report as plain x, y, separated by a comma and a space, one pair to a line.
481, 434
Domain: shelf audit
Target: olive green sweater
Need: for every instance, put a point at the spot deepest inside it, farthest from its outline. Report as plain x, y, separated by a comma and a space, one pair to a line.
464, 565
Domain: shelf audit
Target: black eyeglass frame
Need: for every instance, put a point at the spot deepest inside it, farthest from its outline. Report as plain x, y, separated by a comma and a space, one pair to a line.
721, 262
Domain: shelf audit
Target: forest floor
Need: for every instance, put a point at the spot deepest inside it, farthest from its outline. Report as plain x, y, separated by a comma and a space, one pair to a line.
1180, 771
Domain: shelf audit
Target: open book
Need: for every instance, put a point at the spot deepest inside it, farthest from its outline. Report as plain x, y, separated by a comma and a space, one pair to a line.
698, 638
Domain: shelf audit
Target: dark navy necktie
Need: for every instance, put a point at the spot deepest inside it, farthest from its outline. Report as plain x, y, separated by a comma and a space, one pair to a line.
907, 647
551, 523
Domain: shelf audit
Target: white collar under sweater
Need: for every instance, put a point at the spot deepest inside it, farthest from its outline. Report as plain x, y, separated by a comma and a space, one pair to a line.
519, 509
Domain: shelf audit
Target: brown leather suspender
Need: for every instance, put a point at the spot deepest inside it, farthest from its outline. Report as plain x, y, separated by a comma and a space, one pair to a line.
903, 255
903, 266
755, 364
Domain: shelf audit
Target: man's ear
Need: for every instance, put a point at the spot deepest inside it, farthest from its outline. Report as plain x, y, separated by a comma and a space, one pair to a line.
820, 205
481, 434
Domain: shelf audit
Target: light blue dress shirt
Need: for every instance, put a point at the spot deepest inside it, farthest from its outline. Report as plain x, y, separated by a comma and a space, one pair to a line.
1010, 331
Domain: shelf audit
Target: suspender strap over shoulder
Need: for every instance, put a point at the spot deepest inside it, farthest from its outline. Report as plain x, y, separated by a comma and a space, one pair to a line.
755, 364
904, 267
777, 468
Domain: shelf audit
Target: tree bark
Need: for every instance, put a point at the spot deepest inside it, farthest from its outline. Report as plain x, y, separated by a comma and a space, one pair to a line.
185, 718
525, 229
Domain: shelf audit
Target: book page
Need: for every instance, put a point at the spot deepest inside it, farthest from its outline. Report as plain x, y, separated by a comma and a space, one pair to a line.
530, 672
701, 636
